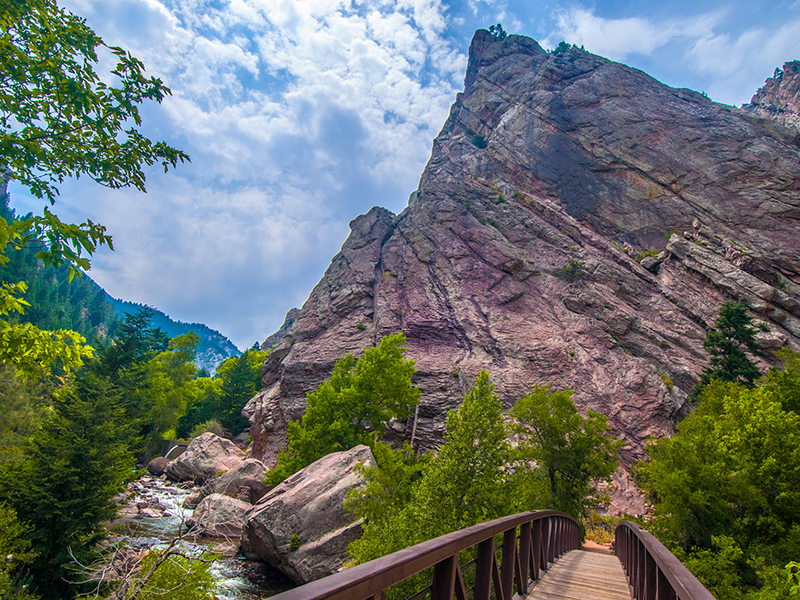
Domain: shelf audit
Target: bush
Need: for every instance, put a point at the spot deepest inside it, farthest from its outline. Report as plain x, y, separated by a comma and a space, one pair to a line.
479, 141
572, 271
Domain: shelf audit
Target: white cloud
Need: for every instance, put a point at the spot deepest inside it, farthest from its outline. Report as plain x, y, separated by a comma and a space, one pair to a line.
743, 62
298, 115
619, 38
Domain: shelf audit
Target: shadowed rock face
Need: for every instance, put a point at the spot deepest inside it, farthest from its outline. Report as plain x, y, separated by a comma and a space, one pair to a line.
548, 157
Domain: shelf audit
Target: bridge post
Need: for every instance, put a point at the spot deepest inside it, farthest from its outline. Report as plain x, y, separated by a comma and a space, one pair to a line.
509, 560
524, 556
444, 579
483, 570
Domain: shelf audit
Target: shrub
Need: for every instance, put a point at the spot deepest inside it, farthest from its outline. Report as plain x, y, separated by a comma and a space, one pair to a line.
479, 141
572, 271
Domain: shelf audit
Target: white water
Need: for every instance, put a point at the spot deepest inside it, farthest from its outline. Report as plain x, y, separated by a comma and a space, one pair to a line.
236, 578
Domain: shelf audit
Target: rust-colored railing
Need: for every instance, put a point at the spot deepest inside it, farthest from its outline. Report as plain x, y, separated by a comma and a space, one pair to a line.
653, 571
531, 540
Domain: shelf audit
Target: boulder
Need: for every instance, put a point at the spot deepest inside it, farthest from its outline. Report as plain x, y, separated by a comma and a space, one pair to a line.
219, 516
192, 500
244, 481
310, 506
205, 457
158, 465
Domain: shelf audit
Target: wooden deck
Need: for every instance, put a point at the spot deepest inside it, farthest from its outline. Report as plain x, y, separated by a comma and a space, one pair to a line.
581, 575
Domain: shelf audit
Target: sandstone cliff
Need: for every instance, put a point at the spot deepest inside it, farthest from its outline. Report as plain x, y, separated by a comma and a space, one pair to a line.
548, 157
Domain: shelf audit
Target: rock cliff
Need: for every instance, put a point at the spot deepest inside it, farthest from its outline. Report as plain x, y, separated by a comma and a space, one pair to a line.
547, 158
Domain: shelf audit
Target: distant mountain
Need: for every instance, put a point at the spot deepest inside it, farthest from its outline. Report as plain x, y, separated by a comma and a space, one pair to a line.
214, 348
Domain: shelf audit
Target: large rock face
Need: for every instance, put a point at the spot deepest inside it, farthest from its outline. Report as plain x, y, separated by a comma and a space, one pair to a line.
548, 157
208, 455
779, 99
310, 506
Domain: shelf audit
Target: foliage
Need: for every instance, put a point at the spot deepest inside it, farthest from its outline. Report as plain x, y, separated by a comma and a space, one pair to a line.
352, 407
15, 552
178, 577
785, 383
728, 346
212, 426
498, 31
479, 141
389, 485
465, 484
294, 542
56, 300
573, 271
58, 119
574, 451
222, 399
73, 466
732, 470
24, 403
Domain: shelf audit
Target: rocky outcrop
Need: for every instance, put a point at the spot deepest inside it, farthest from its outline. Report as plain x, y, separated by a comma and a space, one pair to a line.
309, 507
208, 455
219, 516
547, 158
284, 329
779, 99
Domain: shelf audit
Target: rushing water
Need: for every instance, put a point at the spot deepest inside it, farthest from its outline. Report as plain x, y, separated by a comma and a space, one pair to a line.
237, 578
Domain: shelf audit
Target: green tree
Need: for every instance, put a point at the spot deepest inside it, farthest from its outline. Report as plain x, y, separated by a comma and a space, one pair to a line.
733, 469
58, 119
352, 407
74, 465
575, 452
729, 345
468, 482
15, 552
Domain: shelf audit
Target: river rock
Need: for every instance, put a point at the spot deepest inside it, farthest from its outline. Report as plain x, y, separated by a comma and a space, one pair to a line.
158, 465
219, 516
206, 456
244, 481
309, 505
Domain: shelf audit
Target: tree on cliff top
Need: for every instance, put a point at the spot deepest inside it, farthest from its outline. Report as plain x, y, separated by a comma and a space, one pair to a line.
58, 119
352, 407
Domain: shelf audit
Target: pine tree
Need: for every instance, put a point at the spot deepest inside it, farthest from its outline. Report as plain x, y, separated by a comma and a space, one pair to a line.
74, 465
730, 345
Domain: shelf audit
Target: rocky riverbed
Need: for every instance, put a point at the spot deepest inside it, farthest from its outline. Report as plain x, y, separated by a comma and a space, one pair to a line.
152, 514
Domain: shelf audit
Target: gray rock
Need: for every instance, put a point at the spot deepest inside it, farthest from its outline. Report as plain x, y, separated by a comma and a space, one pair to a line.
310, 505
206, 456
219, 516
244, 481
158, 465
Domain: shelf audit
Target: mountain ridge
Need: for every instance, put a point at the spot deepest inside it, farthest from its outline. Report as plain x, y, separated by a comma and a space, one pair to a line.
547, 158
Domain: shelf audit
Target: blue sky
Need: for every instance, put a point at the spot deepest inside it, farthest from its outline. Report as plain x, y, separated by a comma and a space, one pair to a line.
300, 115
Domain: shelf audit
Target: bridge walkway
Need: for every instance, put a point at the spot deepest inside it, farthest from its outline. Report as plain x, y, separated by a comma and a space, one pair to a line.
582, 575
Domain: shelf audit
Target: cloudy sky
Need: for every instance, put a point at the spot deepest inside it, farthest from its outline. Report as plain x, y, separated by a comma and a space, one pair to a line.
300, 115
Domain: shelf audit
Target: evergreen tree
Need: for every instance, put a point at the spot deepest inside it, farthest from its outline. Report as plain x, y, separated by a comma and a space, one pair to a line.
730, 345
73, 466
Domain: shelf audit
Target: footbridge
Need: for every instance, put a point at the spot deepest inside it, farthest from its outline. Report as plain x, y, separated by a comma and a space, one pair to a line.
528, 556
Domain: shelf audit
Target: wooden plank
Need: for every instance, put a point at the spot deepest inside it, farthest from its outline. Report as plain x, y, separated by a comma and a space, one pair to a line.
581, 575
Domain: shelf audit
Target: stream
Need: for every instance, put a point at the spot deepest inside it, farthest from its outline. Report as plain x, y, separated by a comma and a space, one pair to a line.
153, 517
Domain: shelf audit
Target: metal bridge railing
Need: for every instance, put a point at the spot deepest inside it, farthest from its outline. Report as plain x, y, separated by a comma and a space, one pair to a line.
531, 540
653, 571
